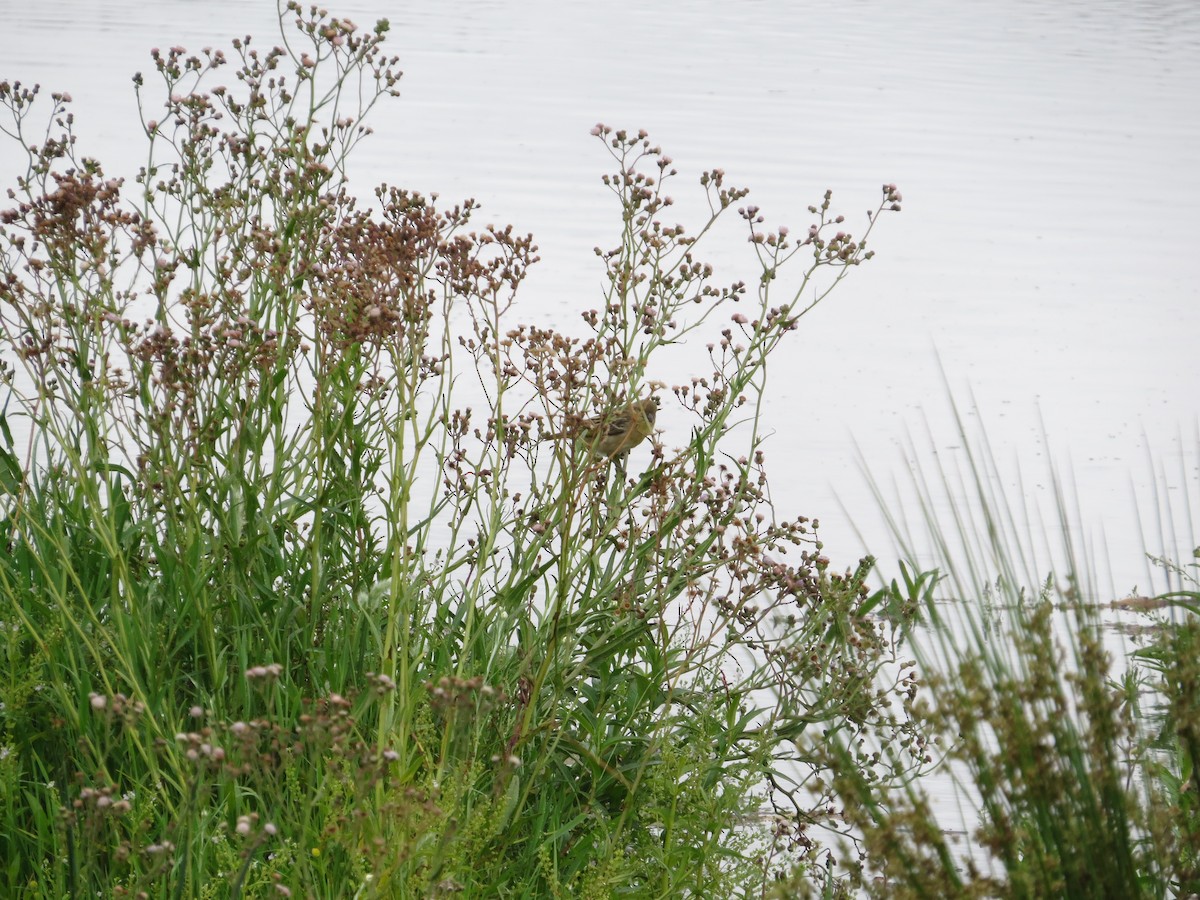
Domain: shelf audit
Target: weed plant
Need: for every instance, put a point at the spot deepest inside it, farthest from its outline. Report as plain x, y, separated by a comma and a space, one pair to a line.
1074, 757
297, 596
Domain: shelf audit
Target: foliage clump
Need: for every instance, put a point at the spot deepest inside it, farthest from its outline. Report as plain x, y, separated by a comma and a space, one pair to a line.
298, 595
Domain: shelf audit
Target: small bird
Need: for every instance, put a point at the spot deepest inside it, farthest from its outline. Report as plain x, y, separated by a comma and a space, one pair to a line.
616, 432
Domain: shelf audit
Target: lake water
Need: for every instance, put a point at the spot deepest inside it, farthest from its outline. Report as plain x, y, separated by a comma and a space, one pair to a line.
1046, 259
1046, 252
1046, 255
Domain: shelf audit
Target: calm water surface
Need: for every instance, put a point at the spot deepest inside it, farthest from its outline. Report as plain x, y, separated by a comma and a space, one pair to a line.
1046, 255
1046, 252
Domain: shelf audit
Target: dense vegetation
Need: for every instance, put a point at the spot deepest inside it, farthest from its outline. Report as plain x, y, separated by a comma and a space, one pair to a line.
309, 588
298, 593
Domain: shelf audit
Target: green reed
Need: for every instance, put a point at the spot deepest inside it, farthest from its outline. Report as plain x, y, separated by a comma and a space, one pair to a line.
1073, 759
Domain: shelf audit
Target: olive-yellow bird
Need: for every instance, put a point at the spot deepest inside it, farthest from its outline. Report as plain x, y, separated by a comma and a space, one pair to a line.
614, 433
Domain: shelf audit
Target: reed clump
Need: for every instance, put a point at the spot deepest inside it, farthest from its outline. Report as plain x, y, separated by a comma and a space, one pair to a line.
1072, 746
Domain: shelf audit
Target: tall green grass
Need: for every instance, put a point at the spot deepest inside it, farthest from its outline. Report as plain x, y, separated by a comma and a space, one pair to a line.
1073, 750
296, 597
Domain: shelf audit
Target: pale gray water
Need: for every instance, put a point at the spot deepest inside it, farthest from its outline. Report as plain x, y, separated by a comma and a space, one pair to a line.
1047, 153
1047, 249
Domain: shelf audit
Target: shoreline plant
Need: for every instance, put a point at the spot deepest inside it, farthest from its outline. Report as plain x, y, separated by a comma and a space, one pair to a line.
283, 615
1072, 751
